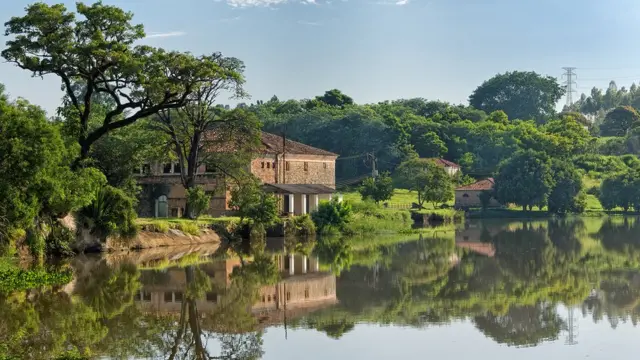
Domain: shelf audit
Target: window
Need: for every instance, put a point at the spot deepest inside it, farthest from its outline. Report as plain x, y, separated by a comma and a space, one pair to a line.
166, 168
306, 293
138, 296
269, 298
287, 166
264, 299
146, 169
273, 165
465, 195
288, 296
268, 165
324, 165
176, 168
212, 297
168, 297
263, 164
177, 297
146, 296
306, 166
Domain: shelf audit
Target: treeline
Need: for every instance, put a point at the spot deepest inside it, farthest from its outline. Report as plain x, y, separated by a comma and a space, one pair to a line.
514, 114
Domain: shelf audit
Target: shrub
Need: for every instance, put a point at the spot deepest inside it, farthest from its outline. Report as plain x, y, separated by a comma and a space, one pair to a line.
110, 214
197, 201
189, 228
332, 214
253, 204
377, 189
159, 227
59, 240
301, 226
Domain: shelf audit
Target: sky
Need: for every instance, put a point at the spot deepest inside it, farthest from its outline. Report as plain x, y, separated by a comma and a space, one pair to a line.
376, 50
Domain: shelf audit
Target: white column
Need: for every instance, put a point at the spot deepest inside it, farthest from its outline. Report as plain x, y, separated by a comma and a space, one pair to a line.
292, 264
304, 264
330, 197
315, 202
303, 201
315, 264
292, 203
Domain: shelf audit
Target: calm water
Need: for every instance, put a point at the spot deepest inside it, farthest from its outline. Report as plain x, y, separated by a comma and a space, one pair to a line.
494, 290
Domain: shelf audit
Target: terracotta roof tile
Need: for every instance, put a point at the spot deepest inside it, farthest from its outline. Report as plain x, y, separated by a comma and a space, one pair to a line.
445, 163
486, 184
270, 144
273, 145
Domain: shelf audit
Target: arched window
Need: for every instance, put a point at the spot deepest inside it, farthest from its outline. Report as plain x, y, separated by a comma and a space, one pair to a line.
465, 195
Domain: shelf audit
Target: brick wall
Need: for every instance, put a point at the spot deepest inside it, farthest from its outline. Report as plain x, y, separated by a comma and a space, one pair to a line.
265, 168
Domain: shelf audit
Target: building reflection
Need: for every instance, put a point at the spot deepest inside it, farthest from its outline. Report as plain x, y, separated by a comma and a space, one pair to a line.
303, 288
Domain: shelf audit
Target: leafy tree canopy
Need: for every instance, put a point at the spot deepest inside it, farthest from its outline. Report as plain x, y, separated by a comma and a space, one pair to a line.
521, 95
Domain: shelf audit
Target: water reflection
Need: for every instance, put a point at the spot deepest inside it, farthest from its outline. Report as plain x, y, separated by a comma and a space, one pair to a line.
509, 280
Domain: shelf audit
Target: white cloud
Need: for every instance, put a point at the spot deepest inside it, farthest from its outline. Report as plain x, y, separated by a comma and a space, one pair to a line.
402, 2
165, 34
309, 23
269, 3
254, 3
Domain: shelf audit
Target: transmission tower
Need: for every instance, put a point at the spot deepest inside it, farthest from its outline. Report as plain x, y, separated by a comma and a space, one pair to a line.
570, 75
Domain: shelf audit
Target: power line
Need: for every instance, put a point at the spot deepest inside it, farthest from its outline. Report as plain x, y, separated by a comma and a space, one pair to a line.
569, 83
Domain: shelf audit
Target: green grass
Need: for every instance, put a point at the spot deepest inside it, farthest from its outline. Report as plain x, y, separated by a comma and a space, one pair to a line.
163, 225
401, 197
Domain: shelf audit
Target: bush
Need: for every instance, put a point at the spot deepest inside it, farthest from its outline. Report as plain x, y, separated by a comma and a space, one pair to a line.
197, 201
59, 240
159, 227
189, 228
332, 214
378, 189
302, 226
110, 214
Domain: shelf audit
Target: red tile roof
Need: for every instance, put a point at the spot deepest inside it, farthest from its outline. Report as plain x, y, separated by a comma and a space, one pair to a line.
486, 184
269, 144
272, 144
445, 163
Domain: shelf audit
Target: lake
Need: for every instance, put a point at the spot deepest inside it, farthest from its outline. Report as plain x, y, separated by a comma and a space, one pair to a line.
557, 289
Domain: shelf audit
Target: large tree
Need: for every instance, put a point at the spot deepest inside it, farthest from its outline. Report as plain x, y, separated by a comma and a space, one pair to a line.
619, 121
38, 184
524, 179
424, 176
95, 46
204, 133
523, 95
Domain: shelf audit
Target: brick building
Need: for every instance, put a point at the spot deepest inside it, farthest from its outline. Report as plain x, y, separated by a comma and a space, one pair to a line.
468, 196
300, 175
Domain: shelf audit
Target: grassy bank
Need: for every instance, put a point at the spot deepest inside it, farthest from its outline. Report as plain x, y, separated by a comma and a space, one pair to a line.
187, 226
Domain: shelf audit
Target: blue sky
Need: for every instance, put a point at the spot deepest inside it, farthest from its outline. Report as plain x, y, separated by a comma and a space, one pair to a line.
380, 49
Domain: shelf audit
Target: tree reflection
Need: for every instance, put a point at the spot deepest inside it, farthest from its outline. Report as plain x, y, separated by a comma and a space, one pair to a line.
522, 325
510, 294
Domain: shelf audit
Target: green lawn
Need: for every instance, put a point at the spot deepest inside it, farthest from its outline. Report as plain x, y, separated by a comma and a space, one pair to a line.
188, 226
401, 197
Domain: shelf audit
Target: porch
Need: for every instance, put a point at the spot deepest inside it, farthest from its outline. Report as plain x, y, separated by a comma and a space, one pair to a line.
300, 199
